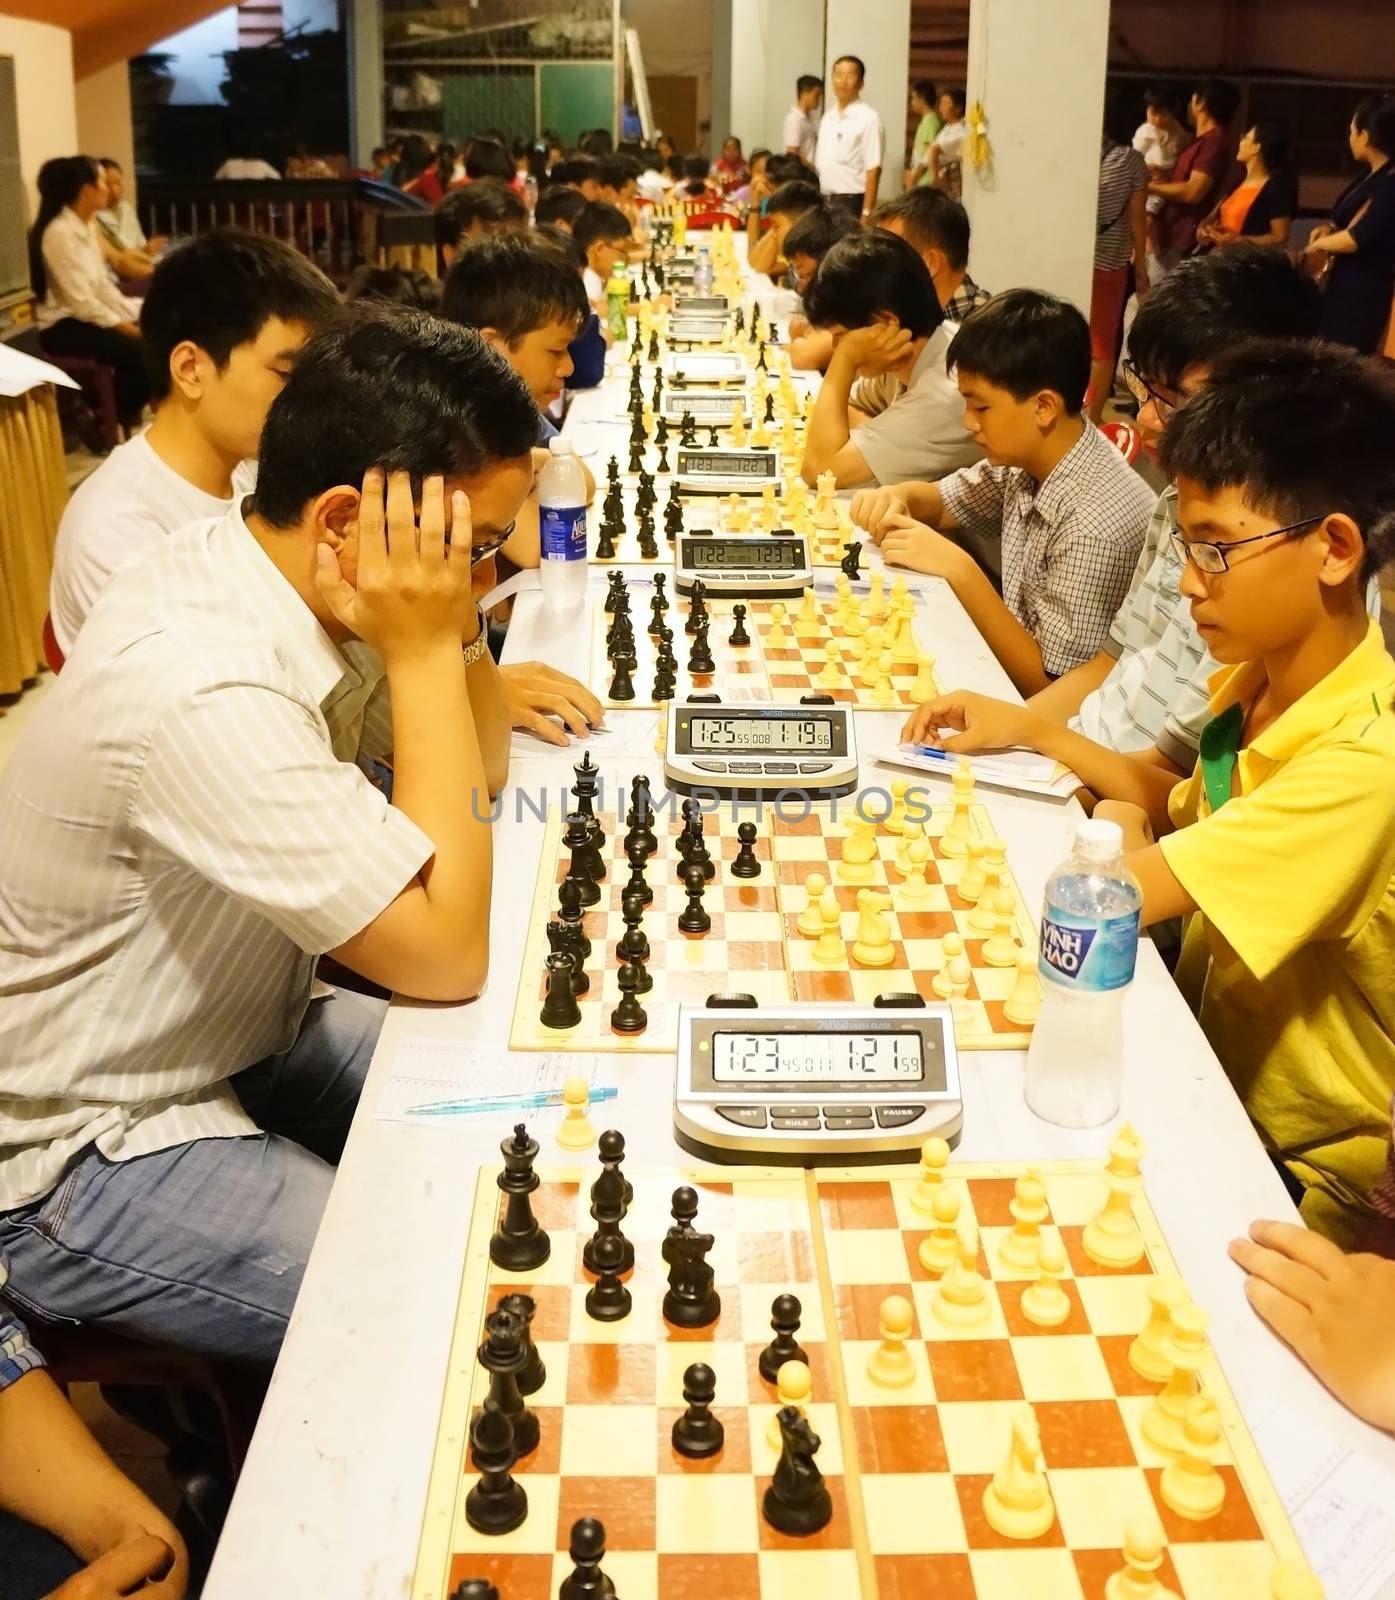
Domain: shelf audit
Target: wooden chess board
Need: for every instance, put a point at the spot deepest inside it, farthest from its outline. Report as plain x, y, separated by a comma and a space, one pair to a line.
758, 671
754, 945
905, 1468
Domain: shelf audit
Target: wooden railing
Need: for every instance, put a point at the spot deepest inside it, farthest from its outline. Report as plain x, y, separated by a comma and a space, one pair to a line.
339, 223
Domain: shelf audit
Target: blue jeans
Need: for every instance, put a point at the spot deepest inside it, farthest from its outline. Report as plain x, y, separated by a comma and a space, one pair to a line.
203, 1246
32, 1563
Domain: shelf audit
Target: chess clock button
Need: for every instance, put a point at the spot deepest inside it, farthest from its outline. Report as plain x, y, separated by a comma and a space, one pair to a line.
745, 766
779, 766
797, 1111
710, 766
795, 1124
847, 1124
814, 766
861, 1113
744, 1116
898, 1116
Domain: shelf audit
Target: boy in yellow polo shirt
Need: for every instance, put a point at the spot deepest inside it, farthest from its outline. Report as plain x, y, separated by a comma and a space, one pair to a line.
1284, 841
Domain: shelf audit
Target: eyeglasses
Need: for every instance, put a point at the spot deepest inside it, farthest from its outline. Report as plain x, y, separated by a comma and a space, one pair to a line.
1143, 391
480, 548
1215, 558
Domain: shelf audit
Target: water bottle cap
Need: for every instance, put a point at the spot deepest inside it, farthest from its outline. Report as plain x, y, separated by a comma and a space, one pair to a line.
1097, 840
561, 447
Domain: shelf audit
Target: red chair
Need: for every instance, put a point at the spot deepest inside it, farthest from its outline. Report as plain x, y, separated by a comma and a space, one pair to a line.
1125, 438
52, 654
98, 385
711, 219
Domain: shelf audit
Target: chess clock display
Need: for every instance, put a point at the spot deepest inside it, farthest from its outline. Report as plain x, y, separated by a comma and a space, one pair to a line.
763, 565
760, 748
797, 1085
703, 368
706, 305
704, 406
729, 471
689, 327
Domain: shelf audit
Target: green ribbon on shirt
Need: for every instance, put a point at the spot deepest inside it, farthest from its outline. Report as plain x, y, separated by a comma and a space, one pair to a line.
1219, 748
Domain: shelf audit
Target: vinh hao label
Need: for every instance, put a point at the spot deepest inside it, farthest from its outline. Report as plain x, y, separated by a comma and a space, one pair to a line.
1088, 955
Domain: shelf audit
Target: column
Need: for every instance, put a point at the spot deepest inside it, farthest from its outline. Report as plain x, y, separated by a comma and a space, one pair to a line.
879, 32
365, 25
1039, 73
759, 47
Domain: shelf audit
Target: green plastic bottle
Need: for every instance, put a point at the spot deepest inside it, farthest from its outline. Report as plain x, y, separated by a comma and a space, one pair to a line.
617, 303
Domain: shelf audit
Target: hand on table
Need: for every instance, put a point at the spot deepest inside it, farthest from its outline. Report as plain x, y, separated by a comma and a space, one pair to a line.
143, 1565
1335, 1311
537, 693
907, 543
873, 509
877, 348
980, 723
1138, 831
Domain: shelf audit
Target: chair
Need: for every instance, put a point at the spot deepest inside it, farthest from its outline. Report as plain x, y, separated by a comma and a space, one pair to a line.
1125, 438
98, 384
52, 654
711, 219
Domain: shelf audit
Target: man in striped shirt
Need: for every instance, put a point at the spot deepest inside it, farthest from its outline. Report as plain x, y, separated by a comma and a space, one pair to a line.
186, 832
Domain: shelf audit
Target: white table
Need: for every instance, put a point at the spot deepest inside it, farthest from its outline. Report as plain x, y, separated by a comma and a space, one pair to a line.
332, 1494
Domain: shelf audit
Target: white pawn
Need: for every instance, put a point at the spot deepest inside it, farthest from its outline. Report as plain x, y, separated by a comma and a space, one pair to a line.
891, 1365
910, 832
1138, 1579
1017, 1503
981, 918
961, 1297
1191, 1486
794, 1384
776, 634
830, 951
1289, 1581
575, 1131
1186, 1349
876, 604
973, 877
1147, 1353
873, 642
830, 674
859, 850
1045, 1302
895, 819
951, 947
884, 690
809, 922
939, 1250
925, 688
934, 1158
917, 890
1018, 1250
873, 946
806, 619
961, 1008
1000, 950
956, 839
1023, 1004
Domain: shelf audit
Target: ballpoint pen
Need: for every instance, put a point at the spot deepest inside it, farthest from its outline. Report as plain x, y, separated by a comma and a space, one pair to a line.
538, 1100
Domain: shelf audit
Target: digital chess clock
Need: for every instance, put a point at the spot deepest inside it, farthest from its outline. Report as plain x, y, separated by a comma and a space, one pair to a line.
701, 305
704, 368
759, 748
706, 406
761, 564
693, 329
730, 471
800, 1085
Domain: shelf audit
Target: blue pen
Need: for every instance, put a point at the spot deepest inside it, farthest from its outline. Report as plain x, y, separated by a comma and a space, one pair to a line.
539, 1100
935, 753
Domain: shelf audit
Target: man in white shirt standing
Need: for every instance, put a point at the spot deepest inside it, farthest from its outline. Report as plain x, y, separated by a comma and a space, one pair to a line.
801, 125
851, 143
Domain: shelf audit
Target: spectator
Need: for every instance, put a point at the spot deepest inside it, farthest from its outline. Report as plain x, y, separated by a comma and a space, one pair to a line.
1196, 179
398, 286
1121, 247
596, 142
475, 211
118, 220
558, 207
1261, 205
759, 185
416, 170
851, 143
81, 311
801, 130
695, 185
579, 172
938, 229
729, 170
619, 180
487, 158
1159, 137
653, 183
947, 147
240, 167
382, 164
928, 125
450, 169
1359, 242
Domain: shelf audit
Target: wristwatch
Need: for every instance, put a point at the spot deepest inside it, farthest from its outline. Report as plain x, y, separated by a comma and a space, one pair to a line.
475, 650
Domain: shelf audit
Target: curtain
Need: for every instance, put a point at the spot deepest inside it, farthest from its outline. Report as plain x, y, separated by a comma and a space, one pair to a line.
33, 491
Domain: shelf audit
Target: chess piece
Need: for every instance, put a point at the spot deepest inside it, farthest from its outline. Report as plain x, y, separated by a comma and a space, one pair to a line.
503, 1355
1185, 1347
519, 1244
973, 878
851, 556
498, 1503
859, 850
960, 1006
775, 636
629, 1016
873, 946
925, 688
474, 1589
808, 922
1045, 1303
738, 639
1143, 1555
917, 890
951, 948
806, 619
577, 839
622, 685
1289, 1581
610, 1199
559, 1007
746, 864
955, 842
1112, 1238
700, 661
895, 819
1023, 1004
1000, 949
910, 832
785, 1314
934, 1158
797, 1502
697, 1434
830, 951
983, 918
694, 918
1190, 1486
939, 1250
883, 690
691, 1301
1147, 1353
876, 602
533, 1374
830, 674
661, 731
961, 1297
586, 1550
891, 1365
576, 1131
1017, 1503
608, 1299
794, 1384
1018, 1250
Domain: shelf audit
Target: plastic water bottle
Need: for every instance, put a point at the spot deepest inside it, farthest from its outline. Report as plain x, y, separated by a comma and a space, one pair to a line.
702, 272
1089, 943
562, 519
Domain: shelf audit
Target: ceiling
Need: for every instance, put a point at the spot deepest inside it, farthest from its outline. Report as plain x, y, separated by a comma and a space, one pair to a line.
106, 31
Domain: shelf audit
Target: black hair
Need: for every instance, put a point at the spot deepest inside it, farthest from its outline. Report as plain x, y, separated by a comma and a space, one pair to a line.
60, 181
486, 201
925, 88
1273, 141
760, 153
793, 199
400, 390
1209, 303
932, 220
614, 172
596, 142
487, 158
1119, 115
673, 165
599, 222
1375, 117
695, 168
870, 271
218, 290
790, 169
417, 155
1301, 429
445, 163
732, 138
558, 203
956, 99
513, 284
380, 150
106, 163
398, 286
1025, 341
575, 169
858, 62
816, 232
1162, 97
806, 81
1220, 98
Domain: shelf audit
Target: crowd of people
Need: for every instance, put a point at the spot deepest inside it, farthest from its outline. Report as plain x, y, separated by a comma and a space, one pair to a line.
255, 753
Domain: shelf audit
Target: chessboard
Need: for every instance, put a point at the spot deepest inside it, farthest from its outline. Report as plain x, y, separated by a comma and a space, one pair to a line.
822, 644
928, 935
983, 1392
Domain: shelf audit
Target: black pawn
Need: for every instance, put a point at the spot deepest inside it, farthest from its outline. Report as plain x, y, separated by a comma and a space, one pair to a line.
746, 864
474, 1589
608, 1300
519, 1244
559, 1007
697, 1434
629, 1016
524, 1307
739, 637
785, 1313
503, 1356
587, 1551
636, 856
622, 685
633, 944
497, 1503
694, 918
